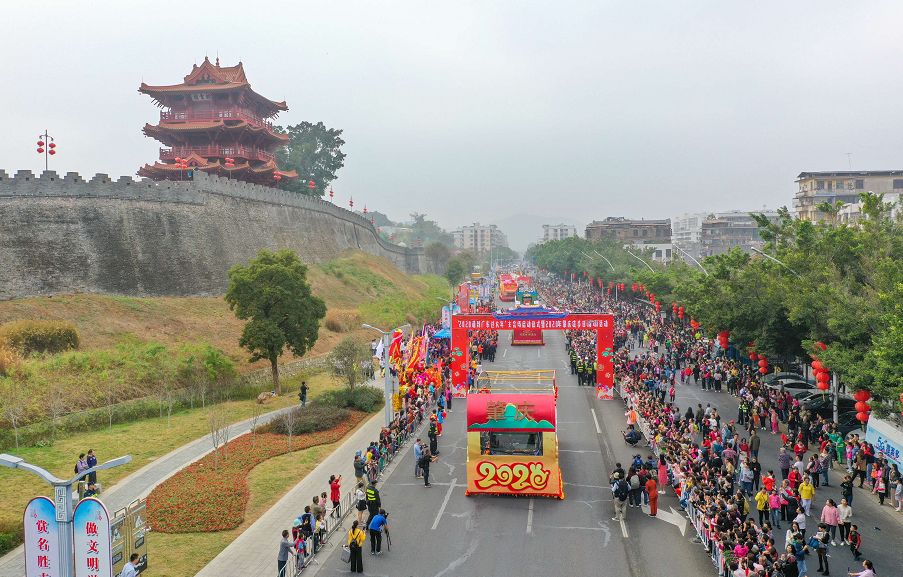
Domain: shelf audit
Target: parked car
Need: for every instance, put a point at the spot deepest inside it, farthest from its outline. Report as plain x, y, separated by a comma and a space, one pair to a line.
824, 405
793, 386
848, 423
784, 377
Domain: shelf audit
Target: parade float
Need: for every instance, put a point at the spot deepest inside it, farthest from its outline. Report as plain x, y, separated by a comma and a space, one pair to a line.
512, 441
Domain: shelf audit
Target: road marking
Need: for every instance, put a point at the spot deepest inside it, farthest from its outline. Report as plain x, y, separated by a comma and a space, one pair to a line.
451, 487
537, 352
596, 421
505, 353
530, 518
624, 528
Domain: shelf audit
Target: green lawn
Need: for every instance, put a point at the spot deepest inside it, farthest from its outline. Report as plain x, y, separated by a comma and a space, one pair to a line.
145, 440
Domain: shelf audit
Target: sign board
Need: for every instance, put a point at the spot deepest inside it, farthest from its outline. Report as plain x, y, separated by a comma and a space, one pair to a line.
117, 541
42, 539
446, 317
91, 540
136, 521
886, 438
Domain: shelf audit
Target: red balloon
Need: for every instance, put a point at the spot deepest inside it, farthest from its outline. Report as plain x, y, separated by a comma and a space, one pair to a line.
823, 377
862, 407
862, 417
823, 386
862, 395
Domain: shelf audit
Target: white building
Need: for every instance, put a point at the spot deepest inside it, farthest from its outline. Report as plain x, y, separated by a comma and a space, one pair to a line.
851, 213
557, 232
479, 238
706, 234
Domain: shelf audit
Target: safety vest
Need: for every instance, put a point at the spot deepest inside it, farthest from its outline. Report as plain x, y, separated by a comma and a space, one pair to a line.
371, 494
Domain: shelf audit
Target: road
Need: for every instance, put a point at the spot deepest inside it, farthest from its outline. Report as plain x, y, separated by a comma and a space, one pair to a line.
439, 532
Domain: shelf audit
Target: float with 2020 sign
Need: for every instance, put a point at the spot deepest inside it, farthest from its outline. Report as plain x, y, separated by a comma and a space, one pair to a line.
512, 443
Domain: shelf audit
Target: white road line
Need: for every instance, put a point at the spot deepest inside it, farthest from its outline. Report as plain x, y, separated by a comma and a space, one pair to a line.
624, 528
504, 353
530, 518
451, 487
596, 421
538, 351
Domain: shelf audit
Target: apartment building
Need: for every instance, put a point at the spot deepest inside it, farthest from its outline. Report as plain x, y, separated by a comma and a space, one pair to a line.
844, 186
557, 232
479, 238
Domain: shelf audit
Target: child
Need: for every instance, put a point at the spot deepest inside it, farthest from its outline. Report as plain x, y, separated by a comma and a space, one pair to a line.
855, 540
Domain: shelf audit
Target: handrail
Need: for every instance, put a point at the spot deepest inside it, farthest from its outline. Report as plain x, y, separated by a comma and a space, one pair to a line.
221, 114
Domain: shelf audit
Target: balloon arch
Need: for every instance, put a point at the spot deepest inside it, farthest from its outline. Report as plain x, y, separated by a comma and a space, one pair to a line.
537, 319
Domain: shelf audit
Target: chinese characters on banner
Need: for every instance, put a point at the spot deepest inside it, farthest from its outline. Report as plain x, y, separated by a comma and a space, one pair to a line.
91, 525
42, 539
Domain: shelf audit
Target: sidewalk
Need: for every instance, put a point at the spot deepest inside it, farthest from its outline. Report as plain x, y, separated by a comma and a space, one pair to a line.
140, 483
254, 551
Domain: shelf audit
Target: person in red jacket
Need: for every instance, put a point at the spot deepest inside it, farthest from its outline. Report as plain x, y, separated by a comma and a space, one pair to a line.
652, 490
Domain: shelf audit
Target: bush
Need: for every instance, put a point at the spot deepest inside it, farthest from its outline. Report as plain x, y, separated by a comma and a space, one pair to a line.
32, 336
367, 399
9, 361
303, 420
341, 321
8, 542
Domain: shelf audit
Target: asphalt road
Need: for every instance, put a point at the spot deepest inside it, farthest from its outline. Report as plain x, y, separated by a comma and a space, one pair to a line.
439, 532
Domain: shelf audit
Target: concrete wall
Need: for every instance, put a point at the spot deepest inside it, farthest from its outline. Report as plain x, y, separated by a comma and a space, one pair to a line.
65, 234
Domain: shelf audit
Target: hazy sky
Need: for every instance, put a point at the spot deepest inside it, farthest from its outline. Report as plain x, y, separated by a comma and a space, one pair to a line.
480, 110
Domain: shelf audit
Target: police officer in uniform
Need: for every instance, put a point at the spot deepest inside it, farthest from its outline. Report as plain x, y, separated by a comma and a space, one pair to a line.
573, 362
580, 371
373, 501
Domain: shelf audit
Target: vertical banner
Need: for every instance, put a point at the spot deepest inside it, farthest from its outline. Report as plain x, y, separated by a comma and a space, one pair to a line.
605, 367
460, 353
446, 317
91, 528
42, 539
136, 520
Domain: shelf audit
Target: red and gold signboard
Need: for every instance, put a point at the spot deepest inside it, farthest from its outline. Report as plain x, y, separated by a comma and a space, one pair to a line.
526, 337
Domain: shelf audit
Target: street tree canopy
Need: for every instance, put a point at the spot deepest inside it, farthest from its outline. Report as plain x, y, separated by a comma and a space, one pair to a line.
271, 292
315, 152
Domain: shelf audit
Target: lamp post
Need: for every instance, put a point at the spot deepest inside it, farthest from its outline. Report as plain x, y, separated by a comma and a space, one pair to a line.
689, 256
771, 258
639, 259
388, 385
62, 498
47, 147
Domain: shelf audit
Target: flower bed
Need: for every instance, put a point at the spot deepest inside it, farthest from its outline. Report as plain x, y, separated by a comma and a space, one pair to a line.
212, 496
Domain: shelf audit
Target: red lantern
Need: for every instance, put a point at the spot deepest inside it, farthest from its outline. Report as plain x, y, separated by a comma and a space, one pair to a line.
763, 370
822, 386
331, 193
817, 366
658, 306
277, 177
52, 145
763, 363
823, 377
40, 143
634, 287
862, 395
821, 345
862, 417
862, 407
754, 356
680, 315
365, 209
350, 202
311, 185
762, 358
40, 150
52, 152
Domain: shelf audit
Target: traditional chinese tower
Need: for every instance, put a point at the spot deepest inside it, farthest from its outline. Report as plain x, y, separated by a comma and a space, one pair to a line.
214, 122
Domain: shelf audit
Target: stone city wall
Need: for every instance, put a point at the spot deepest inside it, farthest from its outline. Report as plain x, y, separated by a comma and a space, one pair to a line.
145, 238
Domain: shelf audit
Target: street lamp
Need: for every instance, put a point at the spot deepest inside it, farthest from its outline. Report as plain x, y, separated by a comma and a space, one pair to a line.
689, 256
639, 259
62, 498
771, 258
46, 146
388, 385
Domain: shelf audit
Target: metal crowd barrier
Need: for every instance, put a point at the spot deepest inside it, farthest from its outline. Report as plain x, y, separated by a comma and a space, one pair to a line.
313, 544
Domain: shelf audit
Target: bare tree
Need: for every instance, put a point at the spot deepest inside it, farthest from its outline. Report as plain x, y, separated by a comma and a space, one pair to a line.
57, 405
257, 411
219, 432
289, 418
14, 404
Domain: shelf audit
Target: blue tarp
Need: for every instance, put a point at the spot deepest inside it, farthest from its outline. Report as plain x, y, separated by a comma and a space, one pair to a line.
443, 334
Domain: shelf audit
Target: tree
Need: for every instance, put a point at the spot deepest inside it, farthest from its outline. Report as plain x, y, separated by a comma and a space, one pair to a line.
219, 427
455, 270
13, 403
273, 295
314, 151
438, 255
347, 359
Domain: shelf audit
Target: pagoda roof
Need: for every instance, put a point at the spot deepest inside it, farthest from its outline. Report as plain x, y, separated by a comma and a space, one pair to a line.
163, 131
261, 173
210, 77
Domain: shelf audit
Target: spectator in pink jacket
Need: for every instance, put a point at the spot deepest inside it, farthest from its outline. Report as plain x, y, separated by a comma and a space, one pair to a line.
831, 517
774, 508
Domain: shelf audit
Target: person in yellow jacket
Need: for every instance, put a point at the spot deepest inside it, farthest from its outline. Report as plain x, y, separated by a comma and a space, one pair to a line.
762, 505
356, 538
807, 493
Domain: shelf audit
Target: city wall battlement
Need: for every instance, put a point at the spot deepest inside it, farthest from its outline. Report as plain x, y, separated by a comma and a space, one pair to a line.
63, 234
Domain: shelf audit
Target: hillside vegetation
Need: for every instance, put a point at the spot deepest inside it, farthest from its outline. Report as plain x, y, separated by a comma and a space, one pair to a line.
152, 348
